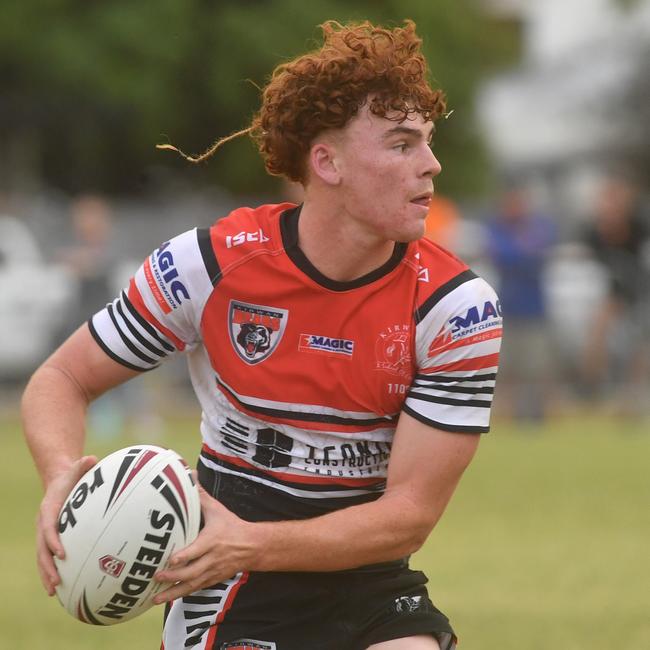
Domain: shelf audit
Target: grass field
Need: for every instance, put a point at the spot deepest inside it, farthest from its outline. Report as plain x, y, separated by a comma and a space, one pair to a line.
545, 544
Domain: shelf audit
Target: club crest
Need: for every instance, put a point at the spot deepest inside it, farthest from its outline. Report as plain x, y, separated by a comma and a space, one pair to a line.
255, 330
393, 351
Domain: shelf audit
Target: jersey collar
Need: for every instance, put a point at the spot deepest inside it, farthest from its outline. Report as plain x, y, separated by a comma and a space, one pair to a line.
289, 230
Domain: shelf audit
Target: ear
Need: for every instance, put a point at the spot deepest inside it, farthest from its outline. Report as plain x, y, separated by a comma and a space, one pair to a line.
324, 162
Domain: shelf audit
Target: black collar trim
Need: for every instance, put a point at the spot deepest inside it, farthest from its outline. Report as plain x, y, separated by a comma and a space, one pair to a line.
289, 230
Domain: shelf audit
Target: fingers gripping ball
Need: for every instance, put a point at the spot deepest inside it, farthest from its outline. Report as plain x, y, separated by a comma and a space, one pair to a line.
120, 524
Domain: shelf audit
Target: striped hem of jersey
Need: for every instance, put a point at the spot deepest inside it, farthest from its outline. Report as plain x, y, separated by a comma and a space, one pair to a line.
443, 426
111, 354
210, 261
314, 483
441, 292
287, 416
323, 494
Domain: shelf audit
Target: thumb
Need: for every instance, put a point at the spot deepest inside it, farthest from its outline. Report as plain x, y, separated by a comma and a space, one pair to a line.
85, 463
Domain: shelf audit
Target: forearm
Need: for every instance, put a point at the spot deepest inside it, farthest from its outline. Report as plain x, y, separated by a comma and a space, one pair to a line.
426, 465
53, 410
383, 530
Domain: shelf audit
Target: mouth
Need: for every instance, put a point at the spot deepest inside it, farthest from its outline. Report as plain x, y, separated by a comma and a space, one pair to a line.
423, 199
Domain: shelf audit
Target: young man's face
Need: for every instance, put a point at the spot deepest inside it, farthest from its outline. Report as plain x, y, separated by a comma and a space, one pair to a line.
387, 171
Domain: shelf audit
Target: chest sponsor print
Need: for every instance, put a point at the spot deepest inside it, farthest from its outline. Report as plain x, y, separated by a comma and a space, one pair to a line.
343, 348
255, 330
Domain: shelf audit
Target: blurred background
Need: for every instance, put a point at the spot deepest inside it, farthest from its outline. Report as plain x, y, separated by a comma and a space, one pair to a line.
545, 191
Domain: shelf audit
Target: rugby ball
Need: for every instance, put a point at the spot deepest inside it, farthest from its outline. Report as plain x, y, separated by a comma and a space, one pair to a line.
120, 524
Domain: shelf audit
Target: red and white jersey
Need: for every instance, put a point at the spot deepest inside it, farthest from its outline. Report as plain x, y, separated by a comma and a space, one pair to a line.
301, 379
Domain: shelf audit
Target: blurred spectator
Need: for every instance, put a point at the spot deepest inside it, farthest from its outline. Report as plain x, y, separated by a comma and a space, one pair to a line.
616, 349
89, 257
90, 260
519, 239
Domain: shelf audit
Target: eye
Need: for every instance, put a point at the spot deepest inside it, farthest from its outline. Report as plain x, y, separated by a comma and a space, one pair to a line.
402, 147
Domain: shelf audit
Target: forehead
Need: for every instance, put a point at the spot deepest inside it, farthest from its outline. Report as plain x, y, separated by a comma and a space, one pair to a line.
366, 124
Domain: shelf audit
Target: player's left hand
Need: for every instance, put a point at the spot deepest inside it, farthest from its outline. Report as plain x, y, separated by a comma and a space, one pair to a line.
223, 548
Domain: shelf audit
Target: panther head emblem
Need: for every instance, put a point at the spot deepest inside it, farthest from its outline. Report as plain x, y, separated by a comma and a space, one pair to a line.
255, 330
254, 339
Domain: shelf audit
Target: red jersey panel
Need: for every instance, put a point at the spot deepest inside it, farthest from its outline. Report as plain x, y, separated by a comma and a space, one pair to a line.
301, 379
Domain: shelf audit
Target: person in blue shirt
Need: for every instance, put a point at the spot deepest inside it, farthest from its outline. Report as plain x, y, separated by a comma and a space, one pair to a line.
519, 239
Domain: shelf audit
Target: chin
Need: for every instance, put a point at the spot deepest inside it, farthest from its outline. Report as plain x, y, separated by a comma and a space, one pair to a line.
414, 232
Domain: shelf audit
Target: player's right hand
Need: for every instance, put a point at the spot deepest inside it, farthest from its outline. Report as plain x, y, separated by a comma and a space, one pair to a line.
48, 542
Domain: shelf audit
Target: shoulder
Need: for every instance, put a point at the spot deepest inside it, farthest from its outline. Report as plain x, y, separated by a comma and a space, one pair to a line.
248, 225
448, 288
245, 231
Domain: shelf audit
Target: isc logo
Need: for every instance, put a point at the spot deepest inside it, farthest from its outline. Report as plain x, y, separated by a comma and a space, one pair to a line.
243, 237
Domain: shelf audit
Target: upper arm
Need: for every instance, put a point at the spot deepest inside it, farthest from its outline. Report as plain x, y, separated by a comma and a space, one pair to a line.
84, 362
458, 335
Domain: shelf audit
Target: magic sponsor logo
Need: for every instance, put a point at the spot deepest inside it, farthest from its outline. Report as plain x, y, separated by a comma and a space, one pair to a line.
327, 344
163, 279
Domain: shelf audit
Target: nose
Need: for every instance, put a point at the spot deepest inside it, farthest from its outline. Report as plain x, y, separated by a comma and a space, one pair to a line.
431, 165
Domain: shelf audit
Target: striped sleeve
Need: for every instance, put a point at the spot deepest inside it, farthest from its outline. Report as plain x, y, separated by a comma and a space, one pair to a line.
458, 337
159, 313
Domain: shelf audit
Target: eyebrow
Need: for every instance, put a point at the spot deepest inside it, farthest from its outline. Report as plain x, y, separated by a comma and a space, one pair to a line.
405, 130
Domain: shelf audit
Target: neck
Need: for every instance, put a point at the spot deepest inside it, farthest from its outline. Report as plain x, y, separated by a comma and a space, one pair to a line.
336, 245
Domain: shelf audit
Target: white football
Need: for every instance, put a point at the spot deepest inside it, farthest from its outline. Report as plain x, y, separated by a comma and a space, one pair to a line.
120, 524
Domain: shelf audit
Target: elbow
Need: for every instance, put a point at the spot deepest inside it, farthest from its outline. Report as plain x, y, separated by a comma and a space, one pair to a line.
416, 538
414, 532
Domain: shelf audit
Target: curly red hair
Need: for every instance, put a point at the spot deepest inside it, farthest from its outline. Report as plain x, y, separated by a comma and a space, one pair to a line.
324, 89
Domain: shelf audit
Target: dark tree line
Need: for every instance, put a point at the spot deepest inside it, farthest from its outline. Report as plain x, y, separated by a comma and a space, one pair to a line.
89, 87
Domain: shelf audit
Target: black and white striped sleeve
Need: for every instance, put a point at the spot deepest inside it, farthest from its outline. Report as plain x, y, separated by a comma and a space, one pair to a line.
159, 313
458, 338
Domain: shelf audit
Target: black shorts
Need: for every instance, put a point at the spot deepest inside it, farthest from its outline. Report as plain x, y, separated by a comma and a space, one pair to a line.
344, 610
340, 610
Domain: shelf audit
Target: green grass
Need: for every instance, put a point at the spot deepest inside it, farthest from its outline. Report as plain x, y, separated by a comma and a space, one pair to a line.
544, 545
